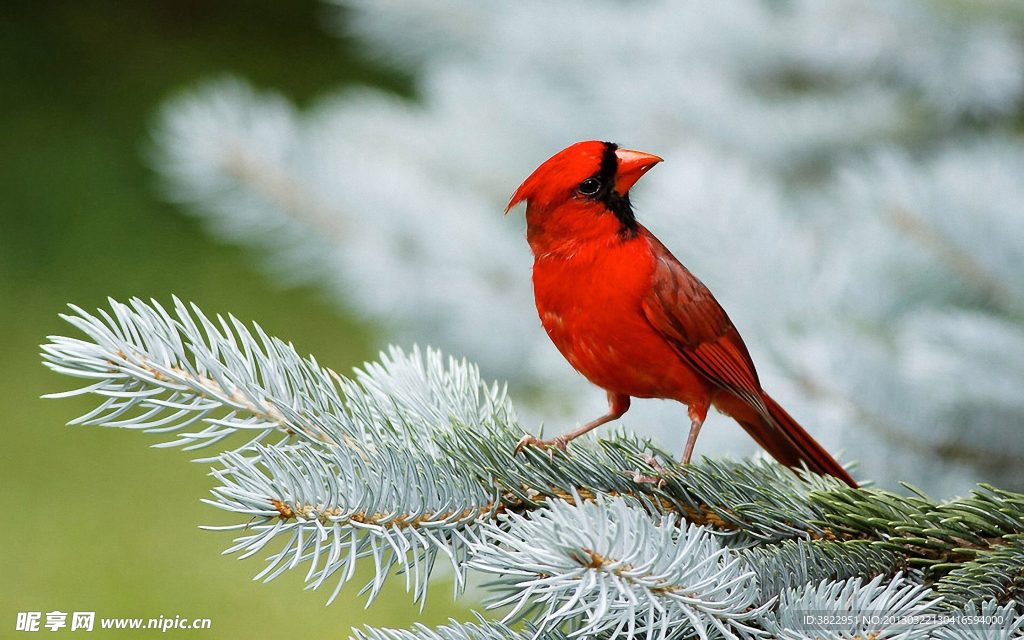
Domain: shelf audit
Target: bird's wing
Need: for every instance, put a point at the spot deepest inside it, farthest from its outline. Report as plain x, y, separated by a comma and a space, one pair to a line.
682, 310
685, 313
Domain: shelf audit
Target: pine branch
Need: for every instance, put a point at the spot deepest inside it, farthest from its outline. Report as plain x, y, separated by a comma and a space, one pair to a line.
164, 374
794, 563
457, 631
931, 534
852, 609
612, 569
987, 621
996, 574
395, 505
412, 459
763, 501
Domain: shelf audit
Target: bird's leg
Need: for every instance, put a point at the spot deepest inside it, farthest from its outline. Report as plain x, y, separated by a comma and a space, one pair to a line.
617, 405
698, 413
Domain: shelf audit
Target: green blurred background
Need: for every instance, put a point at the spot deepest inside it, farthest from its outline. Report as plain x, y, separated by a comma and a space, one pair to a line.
94, 519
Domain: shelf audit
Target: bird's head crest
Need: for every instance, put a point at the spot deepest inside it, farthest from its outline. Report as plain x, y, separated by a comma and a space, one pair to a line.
590, 170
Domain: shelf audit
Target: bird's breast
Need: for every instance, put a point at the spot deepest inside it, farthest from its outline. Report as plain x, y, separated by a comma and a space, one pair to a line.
591, 306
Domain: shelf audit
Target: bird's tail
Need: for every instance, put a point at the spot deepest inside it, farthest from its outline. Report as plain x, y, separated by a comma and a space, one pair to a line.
786, 441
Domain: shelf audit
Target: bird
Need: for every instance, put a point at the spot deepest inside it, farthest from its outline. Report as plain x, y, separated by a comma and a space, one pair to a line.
630, 317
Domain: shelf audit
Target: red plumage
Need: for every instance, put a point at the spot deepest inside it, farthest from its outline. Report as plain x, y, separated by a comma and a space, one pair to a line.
630, 317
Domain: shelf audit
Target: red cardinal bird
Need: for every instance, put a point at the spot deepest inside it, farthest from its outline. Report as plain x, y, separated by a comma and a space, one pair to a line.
633, 320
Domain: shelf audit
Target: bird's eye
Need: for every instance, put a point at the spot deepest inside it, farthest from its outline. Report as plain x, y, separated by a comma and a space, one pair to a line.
589, 187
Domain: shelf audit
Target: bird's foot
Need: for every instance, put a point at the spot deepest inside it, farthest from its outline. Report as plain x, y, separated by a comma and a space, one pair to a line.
654, 464
641, 478
550, 445
651, 460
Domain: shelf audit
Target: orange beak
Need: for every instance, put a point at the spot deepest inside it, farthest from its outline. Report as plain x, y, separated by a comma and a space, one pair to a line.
632, 165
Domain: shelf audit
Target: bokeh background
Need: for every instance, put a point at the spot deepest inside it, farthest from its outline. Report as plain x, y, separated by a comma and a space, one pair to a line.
96, 520
848, 177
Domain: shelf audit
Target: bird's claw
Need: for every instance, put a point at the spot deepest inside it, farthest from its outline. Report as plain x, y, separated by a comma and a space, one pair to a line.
641, 478
651, 460
654, 464
551, 444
